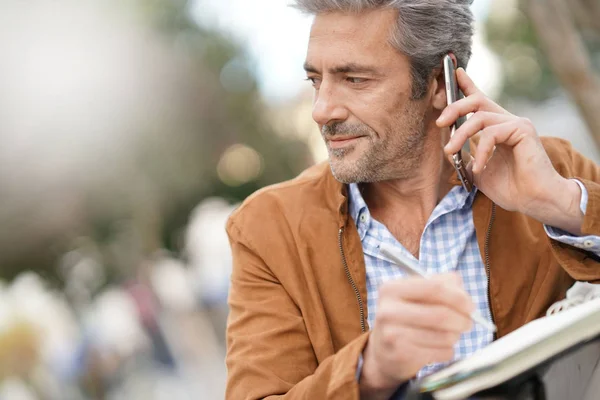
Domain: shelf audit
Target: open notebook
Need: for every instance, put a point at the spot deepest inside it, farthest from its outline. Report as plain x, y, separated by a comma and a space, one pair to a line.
567, 324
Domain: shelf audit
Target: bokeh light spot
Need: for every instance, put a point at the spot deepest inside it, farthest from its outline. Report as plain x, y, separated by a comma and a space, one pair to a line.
240, 164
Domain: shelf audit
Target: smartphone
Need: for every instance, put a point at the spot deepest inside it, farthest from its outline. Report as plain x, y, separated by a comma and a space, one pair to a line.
453, 94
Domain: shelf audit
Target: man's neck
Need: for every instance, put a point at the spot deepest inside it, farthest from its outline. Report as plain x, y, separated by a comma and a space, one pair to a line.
405, 205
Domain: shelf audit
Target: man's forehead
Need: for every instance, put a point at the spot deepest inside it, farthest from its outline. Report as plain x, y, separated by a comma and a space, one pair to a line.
344, 38
369, 27
364, 34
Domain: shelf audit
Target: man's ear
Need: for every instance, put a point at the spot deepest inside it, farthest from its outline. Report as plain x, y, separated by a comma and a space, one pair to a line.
438, 99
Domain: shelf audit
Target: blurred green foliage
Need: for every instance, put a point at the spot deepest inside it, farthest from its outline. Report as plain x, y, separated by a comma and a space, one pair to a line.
510, 34
145, 205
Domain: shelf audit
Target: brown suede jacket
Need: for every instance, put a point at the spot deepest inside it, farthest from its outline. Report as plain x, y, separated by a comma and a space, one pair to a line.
298, 315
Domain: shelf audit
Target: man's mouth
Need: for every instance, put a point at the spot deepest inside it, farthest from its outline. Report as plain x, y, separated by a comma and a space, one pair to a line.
342, 141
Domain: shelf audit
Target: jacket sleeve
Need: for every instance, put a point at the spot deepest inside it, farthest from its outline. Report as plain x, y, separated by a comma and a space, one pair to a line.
269, 352
579, 263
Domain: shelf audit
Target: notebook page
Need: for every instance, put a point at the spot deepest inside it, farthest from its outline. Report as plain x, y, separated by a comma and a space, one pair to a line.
518, 340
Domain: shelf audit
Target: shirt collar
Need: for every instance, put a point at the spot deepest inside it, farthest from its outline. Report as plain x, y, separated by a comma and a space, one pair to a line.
356, 202
457, 198
358, 210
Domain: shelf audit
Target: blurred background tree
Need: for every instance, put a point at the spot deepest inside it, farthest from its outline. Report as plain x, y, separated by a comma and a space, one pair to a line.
546, 45
202, 132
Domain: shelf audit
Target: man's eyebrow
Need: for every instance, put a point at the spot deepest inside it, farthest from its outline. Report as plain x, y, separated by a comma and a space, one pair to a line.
353, 67
345, 69
310, 68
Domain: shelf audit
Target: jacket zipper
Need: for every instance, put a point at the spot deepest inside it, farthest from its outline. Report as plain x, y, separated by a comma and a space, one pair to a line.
356, 291
487, 262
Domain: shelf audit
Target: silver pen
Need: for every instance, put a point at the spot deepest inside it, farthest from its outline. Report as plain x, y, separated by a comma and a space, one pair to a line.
412, 268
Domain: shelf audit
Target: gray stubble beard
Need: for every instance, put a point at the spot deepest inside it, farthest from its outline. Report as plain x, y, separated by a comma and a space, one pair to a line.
380, 164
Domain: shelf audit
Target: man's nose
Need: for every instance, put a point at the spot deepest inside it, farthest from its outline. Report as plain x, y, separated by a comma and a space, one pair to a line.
328, 106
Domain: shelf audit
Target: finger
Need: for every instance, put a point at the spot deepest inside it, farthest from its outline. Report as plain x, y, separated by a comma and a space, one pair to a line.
428, 338
476, 123
475, 101
463, 107
508, 133
435, 317
423, 316
470, 162
452, 277
443, 289
440, 356
465, 83
424, 345
422, 340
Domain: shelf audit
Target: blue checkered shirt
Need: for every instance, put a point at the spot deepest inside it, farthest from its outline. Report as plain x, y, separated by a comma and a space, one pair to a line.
448, 244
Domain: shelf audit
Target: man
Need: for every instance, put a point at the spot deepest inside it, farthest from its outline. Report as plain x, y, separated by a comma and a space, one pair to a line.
316, 311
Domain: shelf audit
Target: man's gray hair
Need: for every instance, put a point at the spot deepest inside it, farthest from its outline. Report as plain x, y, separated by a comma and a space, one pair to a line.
426, 30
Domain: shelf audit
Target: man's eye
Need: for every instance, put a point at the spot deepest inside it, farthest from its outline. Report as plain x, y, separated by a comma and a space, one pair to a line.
356, 80
315, 81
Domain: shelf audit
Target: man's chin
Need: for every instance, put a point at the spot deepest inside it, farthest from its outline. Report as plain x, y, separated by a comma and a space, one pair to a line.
345, 172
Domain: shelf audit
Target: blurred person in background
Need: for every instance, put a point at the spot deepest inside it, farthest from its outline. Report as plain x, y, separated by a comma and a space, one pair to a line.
315, 310
207, 250
93, 147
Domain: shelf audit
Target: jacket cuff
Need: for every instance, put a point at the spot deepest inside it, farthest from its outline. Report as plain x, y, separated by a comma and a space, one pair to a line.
344, 384
581, 264
399, 394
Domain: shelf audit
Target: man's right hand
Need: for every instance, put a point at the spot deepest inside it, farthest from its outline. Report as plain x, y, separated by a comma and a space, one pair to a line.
418, 322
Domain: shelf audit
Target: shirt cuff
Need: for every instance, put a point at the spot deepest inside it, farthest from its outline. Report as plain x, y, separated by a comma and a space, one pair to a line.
589, 243
359, 367
584, 197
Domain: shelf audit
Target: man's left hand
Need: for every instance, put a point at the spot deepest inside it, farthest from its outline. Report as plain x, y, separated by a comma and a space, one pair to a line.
510, 165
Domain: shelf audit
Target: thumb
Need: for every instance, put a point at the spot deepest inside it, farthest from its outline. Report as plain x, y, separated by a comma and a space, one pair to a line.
469, 163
